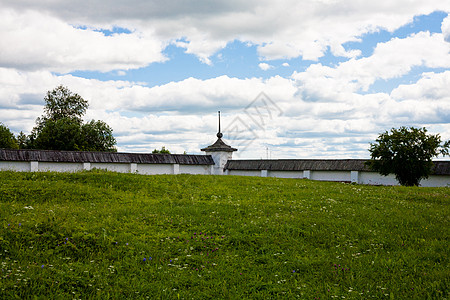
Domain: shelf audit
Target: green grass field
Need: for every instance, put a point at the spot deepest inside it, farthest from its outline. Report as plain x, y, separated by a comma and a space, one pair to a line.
99, 235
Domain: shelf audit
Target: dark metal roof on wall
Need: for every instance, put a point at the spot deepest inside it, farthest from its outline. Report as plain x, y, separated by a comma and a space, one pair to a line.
440, 167
297, 164
219, 145
103, 157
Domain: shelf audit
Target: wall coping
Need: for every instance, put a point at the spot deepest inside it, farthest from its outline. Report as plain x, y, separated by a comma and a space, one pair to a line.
439, 168
103, 157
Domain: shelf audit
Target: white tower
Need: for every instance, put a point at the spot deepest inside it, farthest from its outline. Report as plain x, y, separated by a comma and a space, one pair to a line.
220, 153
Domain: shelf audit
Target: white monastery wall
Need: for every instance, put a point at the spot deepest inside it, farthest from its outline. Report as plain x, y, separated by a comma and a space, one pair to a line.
117, 167
244, 172
436, 180
285, 174
18, 166
374, 178
330, 175
154, 169
195, 169
146, 169
361, 177
60, 167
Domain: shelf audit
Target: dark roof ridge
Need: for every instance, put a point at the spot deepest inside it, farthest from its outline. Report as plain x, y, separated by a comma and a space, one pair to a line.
440, 167
103, 157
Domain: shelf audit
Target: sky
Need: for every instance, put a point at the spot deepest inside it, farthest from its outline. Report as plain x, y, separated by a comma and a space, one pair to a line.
292, 78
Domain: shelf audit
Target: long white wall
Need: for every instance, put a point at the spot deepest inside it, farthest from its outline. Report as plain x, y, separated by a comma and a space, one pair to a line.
196, 169
59, 167
19, 166
361, 177
146, 169
373, 178
330, 175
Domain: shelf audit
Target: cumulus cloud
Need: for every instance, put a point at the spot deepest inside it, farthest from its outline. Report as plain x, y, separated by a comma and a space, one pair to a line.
182, 115
427, 100
432, 87
141, 116
446, 29
328, 111
280, 29
180, 97
265, 66
392, 59
33, 40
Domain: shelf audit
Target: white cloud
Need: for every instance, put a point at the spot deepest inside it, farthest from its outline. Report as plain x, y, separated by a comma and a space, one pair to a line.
265, 66
202, 47
324, 111
285, 64
431, 87
34, 41
133, 110
446, 29
182, 115
392, 59
280, 29
426, 101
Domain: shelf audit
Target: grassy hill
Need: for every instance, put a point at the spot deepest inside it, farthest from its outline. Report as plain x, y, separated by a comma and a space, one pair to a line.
108, 235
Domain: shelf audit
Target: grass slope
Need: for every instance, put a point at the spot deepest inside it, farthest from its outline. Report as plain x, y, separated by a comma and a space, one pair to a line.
108, 235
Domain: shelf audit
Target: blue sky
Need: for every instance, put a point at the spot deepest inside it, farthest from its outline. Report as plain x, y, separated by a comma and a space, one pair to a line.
335, 73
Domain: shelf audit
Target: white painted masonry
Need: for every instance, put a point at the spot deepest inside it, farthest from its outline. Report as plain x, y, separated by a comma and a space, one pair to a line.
360, 177
220, 159
346, 170
18, 166
73, 161
217, 162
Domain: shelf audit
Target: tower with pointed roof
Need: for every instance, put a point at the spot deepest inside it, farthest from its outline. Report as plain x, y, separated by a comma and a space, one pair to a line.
220, 153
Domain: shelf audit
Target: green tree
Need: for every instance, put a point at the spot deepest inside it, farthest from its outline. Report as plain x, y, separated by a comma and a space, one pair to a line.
61, 134
97, 136
162, 151
61, 126
406, 152
7, 139
61, 103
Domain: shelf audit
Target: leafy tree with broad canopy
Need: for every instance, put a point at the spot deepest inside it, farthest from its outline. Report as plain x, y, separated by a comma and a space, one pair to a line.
61, 127
406, 152
7, 139
97, 136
